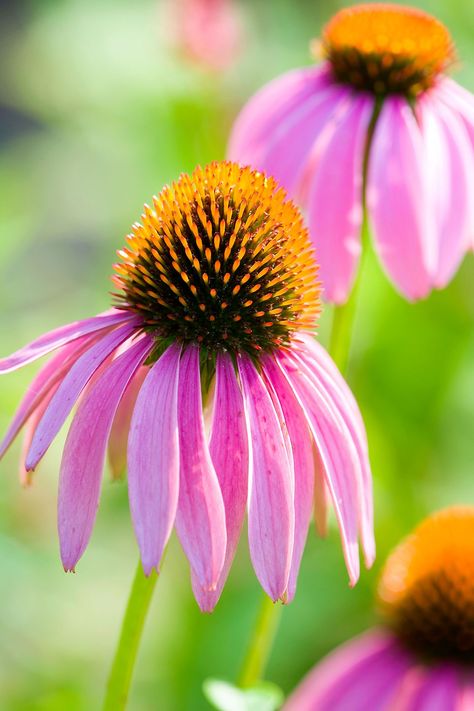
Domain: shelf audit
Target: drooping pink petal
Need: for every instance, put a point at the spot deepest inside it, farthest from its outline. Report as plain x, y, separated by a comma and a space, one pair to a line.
337, 453
321, 496
365, 673
84, 453
322, 369
200, 519
288, 148
117, 446
69, 390
153, 458
25, 476
335, 198
265, 111
60, 336
450, 169
304, 465
48, 378
229, 452
271, 507
398, 200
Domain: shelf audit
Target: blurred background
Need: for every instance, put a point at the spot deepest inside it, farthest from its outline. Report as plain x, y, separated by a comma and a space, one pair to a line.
99, 107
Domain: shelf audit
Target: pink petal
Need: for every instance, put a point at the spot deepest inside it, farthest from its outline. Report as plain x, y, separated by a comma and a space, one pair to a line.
338, 456
84, 453
271, 506
229, 452
47, 379
268, 108
60, 336
288, 148
398, 200
200, 519
364, 673
438, 689
117, 446
321, 496
69, 390
153, 458
304, 465
335, 198
450, 168
322, 369
25, 476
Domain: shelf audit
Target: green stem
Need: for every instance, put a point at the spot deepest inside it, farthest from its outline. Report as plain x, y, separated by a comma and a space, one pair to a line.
341, 331
260, 645
121, 673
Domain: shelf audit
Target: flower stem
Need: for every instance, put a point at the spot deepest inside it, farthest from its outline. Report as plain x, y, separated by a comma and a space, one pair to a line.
341, 331
258, 650
120, 677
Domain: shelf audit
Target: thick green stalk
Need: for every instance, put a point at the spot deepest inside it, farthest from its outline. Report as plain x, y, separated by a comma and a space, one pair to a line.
121, 673
258, 651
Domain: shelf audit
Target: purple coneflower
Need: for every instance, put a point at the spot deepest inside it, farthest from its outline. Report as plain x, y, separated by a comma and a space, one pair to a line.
424, 659
376, 124
217, 296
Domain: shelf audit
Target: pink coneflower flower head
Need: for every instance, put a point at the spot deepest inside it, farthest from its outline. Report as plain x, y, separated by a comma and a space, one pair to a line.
377, 126
216, 299
424, 658
207, 32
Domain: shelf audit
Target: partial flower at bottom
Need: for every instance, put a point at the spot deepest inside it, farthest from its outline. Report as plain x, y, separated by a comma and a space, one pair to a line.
207, 363
423, 657
377, 125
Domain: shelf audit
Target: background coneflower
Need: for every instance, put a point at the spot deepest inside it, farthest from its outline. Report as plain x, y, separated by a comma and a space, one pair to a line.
424, 658
379, 128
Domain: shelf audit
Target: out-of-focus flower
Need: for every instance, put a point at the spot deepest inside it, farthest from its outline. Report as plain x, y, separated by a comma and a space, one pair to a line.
377, 122
424, 659
217, 296
208, 32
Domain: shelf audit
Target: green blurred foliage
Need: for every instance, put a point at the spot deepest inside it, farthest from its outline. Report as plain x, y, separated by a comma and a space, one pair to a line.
97, 113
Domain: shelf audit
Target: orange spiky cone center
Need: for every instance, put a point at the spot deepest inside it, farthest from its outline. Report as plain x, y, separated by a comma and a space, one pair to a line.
387, 49
221, 259
427, 587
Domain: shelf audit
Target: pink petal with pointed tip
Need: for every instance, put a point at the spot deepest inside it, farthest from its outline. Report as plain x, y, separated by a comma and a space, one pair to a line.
335, 198
153, 458
321, 368
271, 505
60, 336
338, 456
69, 390
229, 452
304, 465
24, 475
47, 379
117, 446
200, 519
398, 200
84, 453
264, 111
365, 672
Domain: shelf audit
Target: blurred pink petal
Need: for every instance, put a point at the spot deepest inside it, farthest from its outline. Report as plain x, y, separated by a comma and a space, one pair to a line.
229, 452
335, 200
398, 200
200, 520
153, 458
271, 496
117, 446
83, 456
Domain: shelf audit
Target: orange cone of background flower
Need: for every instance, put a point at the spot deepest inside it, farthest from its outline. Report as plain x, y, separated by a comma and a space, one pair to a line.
423, 658
377, 123
217, 282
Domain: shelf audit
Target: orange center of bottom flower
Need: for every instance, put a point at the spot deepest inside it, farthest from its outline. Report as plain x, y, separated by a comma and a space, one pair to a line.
222, 259
386, 48
427, 587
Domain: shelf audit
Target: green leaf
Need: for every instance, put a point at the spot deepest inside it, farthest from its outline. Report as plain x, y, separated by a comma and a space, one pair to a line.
224, 696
